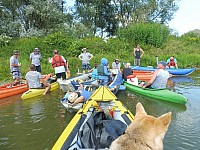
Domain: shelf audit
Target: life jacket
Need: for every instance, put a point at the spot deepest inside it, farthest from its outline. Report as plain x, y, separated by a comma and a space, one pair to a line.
57, 61
100, 70
171, 63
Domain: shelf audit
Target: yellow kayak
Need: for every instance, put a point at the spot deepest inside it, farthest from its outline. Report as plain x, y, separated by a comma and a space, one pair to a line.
36, 92
102, 101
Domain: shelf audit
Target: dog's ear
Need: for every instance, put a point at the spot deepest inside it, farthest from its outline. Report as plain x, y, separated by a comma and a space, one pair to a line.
140, 109
165, 119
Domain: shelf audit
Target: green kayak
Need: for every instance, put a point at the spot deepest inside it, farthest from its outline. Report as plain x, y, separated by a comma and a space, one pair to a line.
159, 94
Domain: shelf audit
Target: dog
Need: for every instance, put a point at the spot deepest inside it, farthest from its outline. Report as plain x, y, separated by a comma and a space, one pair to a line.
144, 133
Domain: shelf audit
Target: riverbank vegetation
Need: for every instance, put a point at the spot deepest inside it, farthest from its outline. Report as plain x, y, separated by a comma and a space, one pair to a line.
69, 33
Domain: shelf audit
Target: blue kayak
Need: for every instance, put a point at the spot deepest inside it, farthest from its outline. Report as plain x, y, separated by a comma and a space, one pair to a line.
173, 71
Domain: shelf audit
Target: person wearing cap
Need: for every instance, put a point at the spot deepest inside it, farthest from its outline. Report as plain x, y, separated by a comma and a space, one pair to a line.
138, 53
35, 59
159, 78
35, 80
60, 65
116, 64
14, 67
172, 63
85, 57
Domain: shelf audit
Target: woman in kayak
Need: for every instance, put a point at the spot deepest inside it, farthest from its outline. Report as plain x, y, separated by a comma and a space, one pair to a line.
78, 96
159, 78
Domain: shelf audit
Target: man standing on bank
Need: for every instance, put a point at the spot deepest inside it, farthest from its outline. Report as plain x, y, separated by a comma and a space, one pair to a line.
59, 64
138, 53
35, 59
85, 57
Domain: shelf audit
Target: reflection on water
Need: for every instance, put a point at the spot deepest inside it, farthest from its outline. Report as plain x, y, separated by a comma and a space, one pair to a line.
37, 123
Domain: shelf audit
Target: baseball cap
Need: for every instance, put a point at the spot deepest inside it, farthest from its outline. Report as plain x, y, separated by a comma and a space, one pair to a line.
16, 52
163, 63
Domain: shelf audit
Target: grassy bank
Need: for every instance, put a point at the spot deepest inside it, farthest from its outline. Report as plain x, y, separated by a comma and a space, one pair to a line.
186, 51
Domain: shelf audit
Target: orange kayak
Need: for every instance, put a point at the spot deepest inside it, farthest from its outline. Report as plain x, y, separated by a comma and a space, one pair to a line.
7, 90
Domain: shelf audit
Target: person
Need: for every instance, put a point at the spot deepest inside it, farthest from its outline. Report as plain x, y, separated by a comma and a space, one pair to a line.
159, 78
85, 57
172, 63
35, 80
35, 59
126, 71
138, 53
103, 72
60, 65
116, 64
95, 75
116, 80
14, 67
78, 96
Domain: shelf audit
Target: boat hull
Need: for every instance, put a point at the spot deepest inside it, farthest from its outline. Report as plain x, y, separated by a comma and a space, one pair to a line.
159, 94
36, 92
173, 71
7, 90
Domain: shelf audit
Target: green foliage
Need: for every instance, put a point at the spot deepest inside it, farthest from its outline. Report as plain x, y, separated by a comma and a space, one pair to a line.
145, 34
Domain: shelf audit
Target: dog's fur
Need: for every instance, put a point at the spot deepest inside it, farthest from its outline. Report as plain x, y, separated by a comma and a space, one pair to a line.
144, 133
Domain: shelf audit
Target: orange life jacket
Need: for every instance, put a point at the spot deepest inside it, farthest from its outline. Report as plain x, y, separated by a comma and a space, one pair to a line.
57, 61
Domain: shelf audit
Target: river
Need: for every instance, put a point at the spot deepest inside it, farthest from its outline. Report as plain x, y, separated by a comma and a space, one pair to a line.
35, 124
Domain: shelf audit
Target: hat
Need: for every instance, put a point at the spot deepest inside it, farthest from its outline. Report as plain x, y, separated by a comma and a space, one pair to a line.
117, 59
16, 52
84, 49
72, 97
36, 50
163, 63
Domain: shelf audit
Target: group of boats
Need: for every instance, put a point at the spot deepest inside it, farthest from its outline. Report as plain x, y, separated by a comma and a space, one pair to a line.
102, 106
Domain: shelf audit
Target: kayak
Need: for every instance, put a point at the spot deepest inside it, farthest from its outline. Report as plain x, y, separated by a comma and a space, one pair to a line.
36, 92
8, 90
91, 89
173, 71
159, 94
81, 132
66, 85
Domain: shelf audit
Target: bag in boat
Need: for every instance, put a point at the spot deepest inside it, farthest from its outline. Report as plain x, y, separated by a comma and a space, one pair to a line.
100, 131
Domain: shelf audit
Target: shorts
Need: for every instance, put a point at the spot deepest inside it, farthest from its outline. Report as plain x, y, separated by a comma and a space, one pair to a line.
86, 66
16, 75
62, 74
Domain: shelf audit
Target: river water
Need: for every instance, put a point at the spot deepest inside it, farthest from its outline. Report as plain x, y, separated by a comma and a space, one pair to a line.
35, 124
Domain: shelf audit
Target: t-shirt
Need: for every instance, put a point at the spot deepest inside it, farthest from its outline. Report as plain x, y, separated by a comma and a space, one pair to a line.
33, 78
13, 60
116, 65
85, 57
35, 58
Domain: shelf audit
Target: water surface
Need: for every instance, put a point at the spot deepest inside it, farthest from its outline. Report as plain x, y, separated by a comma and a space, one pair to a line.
35, 124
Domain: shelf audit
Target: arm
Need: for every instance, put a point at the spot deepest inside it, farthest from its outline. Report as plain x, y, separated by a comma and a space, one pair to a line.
134, 51
142, 53
80, 57
91, 56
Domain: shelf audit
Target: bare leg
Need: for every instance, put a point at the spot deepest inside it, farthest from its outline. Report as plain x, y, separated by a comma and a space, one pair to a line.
47, 88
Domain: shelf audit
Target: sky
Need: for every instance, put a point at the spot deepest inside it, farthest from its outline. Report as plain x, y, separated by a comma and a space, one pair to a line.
187, 18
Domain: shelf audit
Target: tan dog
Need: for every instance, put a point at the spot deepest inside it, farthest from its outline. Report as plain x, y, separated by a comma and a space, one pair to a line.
144, 133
